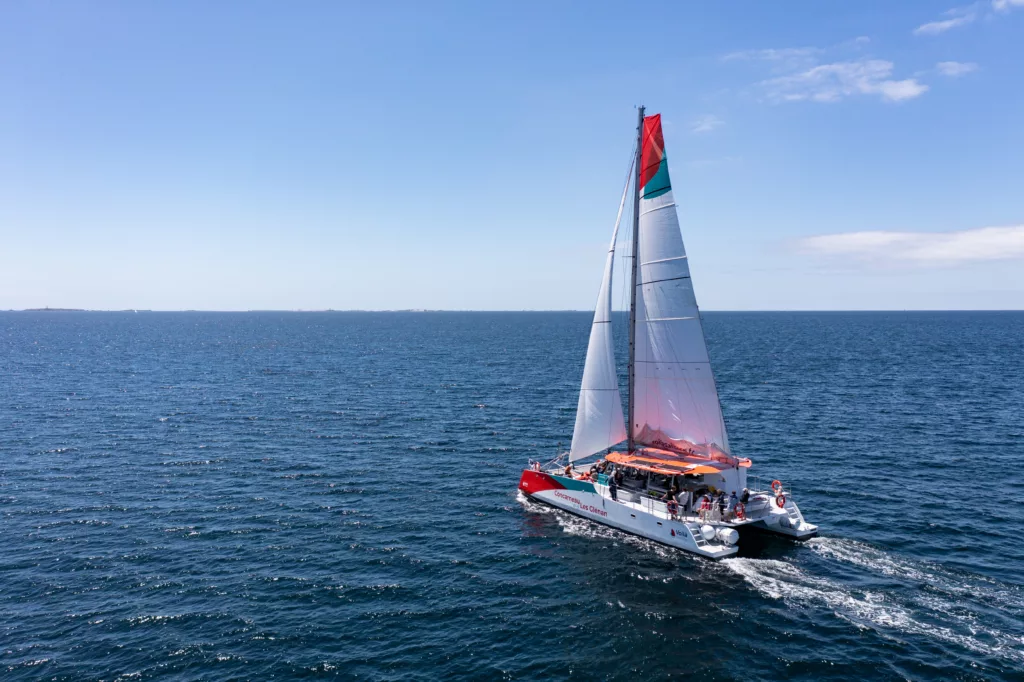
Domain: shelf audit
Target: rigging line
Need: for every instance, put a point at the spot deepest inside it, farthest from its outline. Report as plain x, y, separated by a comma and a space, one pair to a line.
698, 410
667, 279
625, 192
657, 208
663, 260
718, 399
674, 362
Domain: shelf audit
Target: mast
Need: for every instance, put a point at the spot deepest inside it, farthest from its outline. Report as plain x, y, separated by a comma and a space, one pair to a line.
631, 445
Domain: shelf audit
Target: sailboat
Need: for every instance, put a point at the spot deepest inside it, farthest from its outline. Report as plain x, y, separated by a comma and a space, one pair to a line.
664, 470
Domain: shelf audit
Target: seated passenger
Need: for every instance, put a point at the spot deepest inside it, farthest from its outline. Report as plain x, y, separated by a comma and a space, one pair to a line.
705, 507
670, 503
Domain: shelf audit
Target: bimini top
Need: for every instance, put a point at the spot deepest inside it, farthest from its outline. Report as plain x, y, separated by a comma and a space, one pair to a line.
670, 463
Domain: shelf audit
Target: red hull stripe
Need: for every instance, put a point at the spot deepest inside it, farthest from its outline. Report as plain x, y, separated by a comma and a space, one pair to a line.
533, 482
536, 481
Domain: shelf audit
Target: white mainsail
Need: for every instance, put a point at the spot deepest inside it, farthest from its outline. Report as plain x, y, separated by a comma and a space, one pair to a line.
599, 422
675, 398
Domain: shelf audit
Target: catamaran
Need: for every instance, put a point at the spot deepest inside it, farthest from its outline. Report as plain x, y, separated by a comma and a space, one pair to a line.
676, 481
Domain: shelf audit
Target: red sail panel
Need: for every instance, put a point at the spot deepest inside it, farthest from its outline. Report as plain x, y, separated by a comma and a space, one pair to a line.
653, 149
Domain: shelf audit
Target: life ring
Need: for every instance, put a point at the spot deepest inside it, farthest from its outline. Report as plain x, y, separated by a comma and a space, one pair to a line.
776, 486
780, 500
741, 511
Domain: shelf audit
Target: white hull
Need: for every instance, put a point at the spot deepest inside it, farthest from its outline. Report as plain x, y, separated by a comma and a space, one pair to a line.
625, 516
650, 518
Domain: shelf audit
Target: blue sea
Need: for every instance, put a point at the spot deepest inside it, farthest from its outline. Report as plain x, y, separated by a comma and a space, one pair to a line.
229, 496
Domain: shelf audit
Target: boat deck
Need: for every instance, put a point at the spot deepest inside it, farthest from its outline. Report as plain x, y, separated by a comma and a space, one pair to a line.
649, 505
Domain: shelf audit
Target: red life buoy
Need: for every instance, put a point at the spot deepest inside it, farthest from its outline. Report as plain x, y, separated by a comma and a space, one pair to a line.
780, 500
776, 485
741, 511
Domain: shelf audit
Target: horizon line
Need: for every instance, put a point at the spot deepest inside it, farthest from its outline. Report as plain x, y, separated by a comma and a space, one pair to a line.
503, 310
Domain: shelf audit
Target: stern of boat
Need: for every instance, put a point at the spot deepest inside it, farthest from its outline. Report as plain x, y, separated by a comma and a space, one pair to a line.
765, 513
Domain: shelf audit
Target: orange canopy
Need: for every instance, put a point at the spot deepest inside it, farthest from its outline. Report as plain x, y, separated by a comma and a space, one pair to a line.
662, 462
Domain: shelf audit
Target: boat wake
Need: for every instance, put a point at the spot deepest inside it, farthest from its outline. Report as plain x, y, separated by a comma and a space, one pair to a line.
931, 601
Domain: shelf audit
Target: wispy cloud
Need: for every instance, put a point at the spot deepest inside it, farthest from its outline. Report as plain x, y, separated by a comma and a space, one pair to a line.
773, 55
966, 14
833, 82
814, 74
959, 16
926, 248
705, 124
780, 60
955, 69
1006, 5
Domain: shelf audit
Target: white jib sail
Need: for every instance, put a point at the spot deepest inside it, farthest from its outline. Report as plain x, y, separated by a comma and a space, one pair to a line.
599, 422
676, 400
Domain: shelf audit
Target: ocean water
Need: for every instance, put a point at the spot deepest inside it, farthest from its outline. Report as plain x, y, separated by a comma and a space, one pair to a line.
227, 496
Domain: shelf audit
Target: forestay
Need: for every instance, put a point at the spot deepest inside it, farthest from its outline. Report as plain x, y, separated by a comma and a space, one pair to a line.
676, 401
599, 422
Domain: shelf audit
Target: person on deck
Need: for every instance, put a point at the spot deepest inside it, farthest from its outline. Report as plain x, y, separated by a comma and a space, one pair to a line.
613, 487
670, 503
705, 507
721, 504
731, 508
683, 498
745, 497
568, 470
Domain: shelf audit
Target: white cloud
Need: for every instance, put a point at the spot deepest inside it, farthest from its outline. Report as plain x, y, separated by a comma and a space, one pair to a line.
936, 27
833, 82
927, 248
773, 55
967, 14
779, 60
705, 124
955, 69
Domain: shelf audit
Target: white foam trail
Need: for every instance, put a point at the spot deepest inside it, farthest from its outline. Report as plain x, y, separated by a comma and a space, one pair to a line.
879, 561
875, 610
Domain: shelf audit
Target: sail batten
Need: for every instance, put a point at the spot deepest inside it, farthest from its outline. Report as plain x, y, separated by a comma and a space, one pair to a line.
675, 401
599, 421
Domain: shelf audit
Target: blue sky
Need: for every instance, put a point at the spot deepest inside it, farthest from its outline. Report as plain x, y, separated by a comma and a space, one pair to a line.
232, 156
